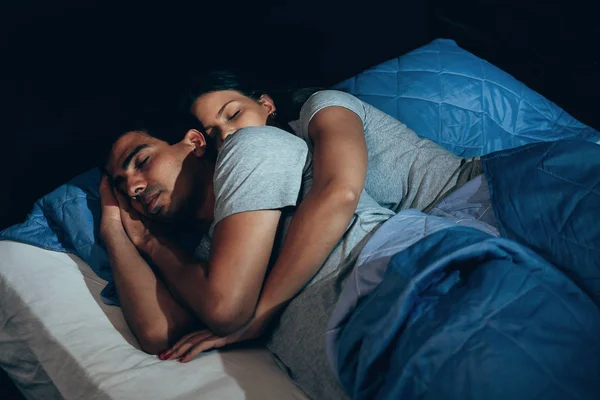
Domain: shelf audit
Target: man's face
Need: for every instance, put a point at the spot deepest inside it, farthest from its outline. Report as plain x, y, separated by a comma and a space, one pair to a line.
158, 178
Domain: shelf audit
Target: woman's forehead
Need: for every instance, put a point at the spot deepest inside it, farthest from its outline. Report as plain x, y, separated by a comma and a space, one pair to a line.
213, 101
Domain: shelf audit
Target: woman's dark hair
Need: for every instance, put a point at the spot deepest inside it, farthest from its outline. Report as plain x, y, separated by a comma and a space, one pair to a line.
288, 100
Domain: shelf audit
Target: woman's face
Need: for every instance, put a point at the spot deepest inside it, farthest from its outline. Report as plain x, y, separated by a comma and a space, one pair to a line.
223, 112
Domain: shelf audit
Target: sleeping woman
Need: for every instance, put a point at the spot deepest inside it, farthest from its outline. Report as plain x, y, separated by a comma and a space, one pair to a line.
357, 149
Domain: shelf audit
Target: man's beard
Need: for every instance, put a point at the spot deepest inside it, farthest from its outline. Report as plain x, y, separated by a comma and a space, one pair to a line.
185, 211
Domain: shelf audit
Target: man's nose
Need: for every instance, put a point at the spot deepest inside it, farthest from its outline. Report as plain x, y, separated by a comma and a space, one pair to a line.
136, 185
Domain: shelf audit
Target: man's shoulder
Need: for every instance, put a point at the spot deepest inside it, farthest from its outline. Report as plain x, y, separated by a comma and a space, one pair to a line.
261, 143
262, 136
258, 169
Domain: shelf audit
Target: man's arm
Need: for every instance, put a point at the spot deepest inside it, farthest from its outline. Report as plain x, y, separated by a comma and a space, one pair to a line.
224, 294
153, 315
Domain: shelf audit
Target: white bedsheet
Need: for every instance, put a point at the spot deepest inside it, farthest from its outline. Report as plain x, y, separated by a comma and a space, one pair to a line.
58, 340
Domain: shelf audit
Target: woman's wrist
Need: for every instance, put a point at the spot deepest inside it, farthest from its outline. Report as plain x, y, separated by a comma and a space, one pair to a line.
263, 315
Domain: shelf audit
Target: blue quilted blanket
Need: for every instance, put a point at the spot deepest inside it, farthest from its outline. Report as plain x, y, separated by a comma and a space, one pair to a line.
462, 102
453, 312
464, 315
439, 90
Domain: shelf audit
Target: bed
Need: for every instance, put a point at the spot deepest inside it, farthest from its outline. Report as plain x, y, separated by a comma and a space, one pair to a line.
59, 340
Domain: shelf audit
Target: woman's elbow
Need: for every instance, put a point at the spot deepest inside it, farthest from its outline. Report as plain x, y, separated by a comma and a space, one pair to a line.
344, 195
228, 318
153, 341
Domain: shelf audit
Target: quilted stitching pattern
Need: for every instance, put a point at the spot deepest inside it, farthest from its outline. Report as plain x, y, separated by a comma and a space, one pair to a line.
462, 102
67, 220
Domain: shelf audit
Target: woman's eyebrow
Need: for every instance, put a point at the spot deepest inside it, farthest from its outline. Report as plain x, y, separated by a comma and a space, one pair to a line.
223, 108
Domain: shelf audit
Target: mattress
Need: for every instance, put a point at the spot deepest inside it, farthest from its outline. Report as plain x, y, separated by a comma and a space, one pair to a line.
58, 340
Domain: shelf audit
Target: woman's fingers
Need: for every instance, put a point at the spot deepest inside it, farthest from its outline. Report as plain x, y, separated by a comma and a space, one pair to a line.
193, 344
167, 354
184, 344
207, 344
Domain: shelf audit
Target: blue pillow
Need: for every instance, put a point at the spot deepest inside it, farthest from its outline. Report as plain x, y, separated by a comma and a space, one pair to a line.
462, 102
68, 220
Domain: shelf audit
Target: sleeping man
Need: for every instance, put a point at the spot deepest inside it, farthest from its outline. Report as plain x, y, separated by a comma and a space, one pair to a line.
244, 202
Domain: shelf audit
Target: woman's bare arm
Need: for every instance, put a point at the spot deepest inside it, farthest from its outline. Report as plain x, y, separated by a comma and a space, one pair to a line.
339, 169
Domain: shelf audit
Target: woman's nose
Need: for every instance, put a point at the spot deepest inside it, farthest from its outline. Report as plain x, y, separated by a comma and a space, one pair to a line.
226, 131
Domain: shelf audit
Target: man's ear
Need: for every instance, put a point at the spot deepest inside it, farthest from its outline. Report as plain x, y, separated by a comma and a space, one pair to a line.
266, 101
196, 138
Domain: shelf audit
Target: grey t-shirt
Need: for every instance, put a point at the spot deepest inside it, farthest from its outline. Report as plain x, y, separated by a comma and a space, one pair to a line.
262, 168
404, 170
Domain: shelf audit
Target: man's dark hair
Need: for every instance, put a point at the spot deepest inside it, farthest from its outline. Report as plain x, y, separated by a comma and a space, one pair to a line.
210, 153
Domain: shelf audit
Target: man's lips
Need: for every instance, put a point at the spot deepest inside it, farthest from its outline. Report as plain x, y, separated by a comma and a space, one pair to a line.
152, 204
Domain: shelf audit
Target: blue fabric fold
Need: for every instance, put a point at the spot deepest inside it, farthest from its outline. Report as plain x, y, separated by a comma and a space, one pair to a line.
547, 197
464, 315
452, 312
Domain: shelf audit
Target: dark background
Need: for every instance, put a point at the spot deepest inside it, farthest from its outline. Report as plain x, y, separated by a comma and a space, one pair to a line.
75, 73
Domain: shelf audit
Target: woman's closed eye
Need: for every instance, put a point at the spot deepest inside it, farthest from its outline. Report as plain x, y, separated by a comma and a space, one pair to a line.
234, 115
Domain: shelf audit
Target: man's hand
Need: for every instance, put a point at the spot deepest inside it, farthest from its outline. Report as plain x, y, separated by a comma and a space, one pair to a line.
135, 224
111, 213
197, 342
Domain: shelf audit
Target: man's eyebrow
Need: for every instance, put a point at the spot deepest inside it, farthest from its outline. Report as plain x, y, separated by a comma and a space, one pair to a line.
130, 156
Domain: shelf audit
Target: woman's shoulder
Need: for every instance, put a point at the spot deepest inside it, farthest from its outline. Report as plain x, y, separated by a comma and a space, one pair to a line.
331, 97
323, 99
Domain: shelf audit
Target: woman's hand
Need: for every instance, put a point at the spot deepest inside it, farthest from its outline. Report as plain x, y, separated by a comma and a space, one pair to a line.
197, 342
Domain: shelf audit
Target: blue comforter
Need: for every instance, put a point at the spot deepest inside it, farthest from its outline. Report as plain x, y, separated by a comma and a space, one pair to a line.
435, 310
464, 315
